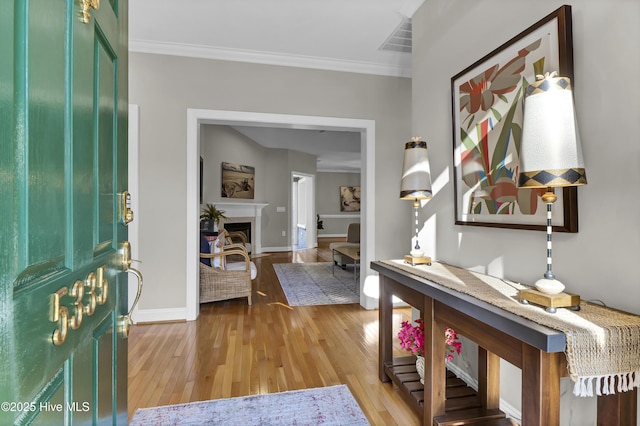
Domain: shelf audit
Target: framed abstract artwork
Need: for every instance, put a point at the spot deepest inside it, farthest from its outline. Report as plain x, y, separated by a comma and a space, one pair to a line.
487, 101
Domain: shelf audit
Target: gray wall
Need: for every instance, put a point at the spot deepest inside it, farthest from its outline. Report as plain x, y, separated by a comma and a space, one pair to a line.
273, 169
164, 87
328, 186
223, 144
598, 262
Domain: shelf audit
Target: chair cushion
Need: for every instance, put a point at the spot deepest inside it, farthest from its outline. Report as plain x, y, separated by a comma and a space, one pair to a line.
217, 248
338, 244
239, 266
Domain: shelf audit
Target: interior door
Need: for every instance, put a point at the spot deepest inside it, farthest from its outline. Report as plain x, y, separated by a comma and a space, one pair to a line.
63, 166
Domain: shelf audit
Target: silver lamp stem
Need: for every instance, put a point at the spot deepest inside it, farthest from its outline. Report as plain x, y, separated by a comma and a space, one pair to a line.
549, 284
416, 205
549, 274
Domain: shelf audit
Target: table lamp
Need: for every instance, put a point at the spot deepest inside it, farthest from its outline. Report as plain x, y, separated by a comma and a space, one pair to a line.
416, 186
550, 157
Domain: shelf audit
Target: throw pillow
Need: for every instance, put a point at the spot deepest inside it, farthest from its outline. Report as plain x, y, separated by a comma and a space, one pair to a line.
205, 248
218, 262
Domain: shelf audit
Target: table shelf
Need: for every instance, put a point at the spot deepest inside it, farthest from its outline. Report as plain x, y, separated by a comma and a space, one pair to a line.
462, 403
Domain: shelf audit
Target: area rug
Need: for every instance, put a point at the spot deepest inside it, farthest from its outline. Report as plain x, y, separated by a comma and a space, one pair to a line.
332, 405
307, 284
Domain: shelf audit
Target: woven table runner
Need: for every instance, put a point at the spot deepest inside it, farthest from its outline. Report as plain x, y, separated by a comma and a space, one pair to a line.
603, 345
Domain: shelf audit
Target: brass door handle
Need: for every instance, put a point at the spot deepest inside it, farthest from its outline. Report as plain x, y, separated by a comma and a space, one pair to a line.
124, 261
124, 322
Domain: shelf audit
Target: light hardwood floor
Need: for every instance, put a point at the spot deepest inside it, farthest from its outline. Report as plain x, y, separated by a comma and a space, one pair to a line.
233, 349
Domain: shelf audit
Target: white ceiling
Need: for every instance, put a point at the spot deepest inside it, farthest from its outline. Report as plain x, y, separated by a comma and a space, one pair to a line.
335, 151
342, 35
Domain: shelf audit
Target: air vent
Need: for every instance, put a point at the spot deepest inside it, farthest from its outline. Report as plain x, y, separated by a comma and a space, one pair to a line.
400, 38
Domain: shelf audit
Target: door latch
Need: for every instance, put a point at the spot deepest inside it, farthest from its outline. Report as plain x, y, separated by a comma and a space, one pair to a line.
124, 208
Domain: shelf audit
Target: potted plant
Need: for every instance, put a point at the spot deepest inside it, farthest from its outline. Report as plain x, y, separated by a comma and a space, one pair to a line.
412, 339
211, 216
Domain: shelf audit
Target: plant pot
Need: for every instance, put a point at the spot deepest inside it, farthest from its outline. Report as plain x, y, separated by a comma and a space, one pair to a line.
208, 225
420, 367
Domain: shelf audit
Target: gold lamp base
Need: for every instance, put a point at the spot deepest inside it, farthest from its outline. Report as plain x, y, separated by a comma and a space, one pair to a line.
550, 301
413, 261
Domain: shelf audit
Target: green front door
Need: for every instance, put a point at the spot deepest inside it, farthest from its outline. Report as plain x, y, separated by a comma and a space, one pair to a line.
63, 166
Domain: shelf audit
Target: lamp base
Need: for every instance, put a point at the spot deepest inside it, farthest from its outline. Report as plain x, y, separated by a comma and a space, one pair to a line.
549, 286
413, 260
550, 301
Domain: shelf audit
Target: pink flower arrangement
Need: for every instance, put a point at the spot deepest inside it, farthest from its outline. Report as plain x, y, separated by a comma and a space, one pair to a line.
412, 339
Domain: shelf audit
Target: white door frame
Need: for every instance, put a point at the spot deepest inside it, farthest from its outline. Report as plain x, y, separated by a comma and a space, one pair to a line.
133, 188
196, 117
312, 240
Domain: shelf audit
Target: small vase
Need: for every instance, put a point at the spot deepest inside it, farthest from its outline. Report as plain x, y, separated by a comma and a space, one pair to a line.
420, 367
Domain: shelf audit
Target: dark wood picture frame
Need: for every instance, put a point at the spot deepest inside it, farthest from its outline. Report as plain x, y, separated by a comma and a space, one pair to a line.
238, 181
201, 179
487, 123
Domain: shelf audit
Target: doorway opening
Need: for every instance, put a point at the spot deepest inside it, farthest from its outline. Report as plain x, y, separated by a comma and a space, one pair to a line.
303, 231
197, 117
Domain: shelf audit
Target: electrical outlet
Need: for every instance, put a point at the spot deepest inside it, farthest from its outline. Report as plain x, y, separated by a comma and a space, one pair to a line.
284, 233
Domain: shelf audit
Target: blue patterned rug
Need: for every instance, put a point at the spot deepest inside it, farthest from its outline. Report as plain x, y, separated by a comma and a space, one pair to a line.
332, 405
307, 284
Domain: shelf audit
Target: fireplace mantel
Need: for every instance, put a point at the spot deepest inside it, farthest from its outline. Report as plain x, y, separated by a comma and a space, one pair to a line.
250, 212
241, 209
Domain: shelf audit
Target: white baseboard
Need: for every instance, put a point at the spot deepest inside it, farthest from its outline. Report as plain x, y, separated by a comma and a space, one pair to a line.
276, 249
508, 409
160, 315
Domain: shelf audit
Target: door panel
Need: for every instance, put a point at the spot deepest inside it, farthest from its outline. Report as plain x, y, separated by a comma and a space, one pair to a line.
48, 417
43, 180
103, 352
63, 162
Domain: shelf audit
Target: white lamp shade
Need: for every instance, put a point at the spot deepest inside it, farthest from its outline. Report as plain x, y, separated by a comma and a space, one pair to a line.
550, 154
416, 176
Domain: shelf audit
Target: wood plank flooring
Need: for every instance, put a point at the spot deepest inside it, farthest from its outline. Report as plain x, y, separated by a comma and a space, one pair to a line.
235, 350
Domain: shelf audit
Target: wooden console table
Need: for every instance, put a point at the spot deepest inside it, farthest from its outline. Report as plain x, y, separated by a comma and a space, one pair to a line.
537, 350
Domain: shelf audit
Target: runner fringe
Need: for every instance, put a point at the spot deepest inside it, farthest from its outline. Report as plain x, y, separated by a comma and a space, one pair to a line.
606, 385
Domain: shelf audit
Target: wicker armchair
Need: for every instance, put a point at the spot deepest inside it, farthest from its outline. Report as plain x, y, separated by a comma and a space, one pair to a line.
227, 278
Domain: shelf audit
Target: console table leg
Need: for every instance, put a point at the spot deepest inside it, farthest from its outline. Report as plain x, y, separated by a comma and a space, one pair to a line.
540, 387
385, 327
488, 379
435, 375
618, 409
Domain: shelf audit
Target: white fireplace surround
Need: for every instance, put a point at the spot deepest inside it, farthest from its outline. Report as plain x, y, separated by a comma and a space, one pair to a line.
246, 212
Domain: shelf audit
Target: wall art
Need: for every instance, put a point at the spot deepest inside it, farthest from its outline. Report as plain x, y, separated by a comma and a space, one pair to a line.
487, 101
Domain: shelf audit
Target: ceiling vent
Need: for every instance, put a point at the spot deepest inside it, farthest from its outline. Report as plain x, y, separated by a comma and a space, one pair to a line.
400, 38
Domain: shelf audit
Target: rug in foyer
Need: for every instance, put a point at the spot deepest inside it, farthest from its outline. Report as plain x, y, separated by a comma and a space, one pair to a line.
333, 405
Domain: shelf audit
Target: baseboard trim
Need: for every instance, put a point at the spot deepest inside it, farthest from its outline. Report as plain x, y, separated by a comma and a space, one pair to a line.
508, 409
160, 315
276, 249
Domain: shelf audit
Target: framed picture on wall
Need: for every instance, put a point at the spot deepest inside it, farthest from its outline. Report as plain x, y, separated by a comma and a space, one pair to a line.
201, 178
349, 198
487, 109
238, 181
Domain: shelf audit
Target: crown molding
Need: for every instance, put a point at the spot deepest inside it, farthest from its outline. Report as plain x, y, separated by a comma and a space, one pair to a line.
268, 58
